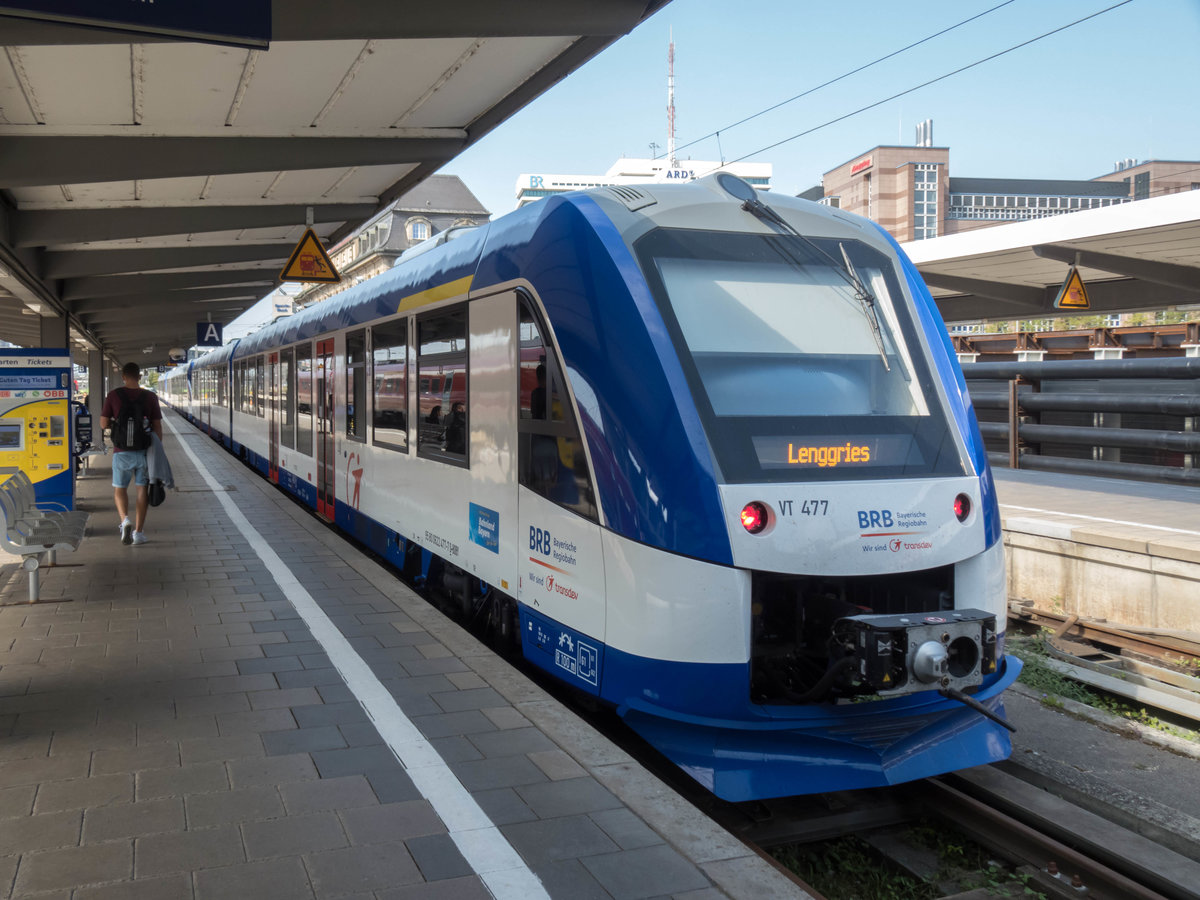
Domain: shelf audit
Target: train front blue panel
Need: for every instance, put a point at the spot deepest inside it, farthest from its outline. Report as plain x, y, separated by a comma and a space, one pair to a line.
563, 652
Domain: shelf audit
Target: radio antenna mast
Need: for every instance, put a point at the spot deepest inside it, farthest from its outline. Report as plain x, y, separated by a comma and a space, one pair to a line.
671, 101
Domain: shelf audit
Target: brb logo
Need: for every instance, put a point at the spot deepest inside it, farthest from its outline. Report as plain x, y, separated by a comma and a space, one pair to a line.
539, 540
875, 518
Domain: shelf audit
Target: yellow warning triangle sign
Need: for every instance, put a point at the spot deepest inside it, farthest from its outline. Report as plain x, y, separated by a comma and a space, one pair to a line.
1072, 295
310, 262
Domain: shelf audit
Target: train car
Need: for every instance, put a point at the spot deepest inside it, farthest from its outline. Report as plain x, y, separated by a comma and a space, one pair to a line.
704, 454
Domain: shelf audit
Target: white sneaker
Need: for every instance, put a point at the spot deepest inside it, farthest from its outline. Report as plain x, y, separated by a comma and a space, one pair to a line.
126, 532
139, 537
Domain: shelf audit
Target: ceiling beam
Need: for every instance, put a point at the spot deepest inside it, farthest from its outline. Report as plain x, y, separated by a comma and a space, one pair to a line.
29, 161
318, 20
78, 263
117, 285
163, 312
47, 227
1032, 298
200, 297
1171, 274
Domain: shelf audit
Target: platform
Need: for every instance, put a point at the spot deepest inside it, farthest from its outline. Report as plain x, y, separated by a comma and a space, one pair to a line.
1124, 551
247, 705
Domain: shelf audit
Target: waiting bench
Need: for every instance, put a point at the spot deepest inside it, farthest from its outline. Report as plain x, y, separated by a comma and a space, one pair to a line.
33, 531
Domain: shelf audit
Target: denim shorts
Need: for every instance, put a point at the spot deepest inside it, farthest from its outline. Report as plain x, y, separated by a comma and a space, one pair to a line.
127, 463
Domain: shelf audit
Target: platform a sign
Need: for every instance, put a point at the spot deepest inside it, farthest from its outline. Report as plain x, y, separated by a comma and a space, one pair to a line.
209, 334
310, 262
1073, 294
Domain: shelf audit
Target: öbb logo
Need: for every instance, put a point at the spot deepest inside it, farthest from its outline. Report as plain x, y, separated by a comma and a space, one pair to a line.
875, 518
539, 540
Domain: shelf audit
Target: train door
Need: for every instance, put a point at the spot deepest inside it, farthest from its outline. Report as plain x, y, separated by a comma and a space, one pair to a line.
323, 388
273, 418
562, 586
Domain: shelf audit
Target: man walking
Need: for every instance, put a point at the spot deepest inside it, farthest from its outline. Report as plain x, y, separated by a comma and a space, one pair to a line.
132, 413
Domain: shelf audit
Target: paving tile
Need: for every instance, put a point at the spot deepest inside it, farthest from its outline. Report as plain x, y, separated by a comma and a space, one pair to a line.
500, 771
272, 770
176, 782
151, 756
235, 747
16, 802
393, 787
505, 717
276, 664
279, 878
468, 722
128, 820
503, 806
304, 740
330, 714
568, 878
212, 704
512, 741
25, 746
176, 730
298, 696
164, 853
626, 828
233, 807
355, 760
437, 857
64, 869
171, 887
370, 867
646, 872
557, 765
391, 822
293, 835
328, 793
51, 768
567, 798
567, 837
455, 749
309, 678
100, 790
259, 721
478, 698
467, 888
40, 832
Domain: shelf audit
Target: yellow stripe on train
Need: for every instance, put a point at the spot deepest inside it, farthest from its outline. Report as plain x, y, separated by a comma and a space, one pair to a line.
434, 294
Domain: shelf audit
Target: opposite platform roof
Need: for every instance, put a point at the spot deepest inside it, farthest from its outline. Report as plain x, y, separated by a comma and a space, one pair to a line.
124, 162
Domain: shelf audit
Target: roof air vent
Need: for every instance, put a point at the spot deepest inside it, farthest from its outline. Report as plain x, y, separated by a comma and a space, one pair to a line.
632, 197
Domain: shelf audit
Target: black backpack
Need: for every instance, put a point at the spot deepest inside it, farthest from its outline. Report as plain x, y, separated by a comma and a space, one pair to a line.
129, 430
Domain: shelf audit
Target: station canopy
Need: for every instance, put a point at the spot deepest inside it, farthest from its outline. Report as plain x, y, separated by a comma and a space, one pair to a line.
149, 183
1135, 256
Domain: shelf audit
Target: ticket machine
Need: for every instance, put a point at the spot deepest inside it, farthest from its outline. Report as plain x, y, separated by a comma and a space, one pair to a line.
36, 422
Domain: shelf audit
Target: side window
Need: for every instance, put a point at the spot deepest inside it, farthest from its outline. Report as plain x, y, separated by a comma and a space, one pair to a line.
304, 403
389, 375
222, 384
442, 431
356, 385
551, 458
287, 402
260, 387
251, 376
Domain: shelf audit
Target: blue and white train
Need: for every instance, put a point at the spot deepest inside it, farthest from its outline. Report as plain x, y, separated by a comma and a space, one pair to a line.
706, 454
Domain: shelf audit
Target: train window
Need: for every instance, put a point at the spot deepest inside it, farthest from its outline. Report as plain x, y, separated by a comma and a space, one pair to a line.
389, 375
260, 387
304, 404
551, 458
287, 402
442, 429
356, 385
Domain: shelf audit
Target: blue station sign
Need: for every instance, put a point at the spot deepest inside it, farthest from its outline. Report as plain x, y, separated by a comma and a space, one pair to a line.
209, 334
242, 23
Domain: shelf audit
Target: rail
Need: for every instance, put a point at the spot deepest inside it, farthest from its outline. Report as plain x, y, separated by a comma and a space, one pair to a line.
1130, 418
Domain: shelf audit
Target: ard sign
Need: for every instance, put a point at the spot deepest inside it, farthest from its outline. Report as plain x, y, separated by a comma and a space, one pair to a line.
208, 334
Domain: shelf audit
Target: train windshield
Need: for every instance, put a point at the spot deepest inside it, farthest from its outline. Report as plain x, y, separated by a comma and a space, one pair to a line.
802, 356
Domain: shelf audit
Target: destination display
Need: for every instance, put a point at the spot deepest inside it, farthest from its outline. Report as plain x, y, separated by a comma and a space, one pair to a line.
779, 451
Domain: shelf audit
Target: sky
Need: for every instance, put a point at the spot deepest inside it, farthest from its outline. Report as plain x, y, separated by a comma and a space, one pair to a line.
1122, 84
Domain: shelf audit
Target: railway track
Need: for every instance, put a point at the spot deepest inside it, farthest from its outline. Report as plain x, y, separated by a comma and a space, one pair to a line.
1052, 846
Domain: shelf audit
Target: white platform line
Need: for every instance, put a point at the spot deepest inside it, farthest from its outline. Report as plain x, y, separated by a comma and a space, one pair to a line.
1055, 512
477, 838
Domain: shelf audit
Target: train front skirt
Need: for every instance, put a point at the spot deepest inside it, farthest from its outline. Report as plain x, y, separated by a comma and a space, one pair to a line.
865, 745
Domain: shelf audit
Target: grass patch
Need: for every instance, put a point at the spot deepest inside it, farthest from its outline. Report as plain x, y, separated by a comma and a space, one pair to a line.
1034, 651
849, 869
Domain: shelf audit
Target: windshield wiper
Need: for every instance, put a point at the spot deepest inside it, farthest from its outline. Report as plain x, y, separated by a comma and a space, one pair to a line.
866, 299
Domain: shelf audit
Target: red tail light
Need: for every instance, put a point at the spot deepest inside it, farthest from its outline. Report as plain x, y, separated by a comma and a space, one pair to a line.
962, 507
754, 516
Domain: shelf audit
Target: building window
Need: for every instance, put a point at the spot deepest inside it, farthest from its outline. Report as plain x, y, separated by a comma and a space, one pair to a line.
925, 191
1141, 185
418, 229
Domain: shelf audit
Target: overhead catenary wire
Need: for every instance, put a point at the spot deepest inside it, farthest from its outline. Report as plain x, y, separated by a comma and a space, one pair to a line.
865, 66
925, 84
